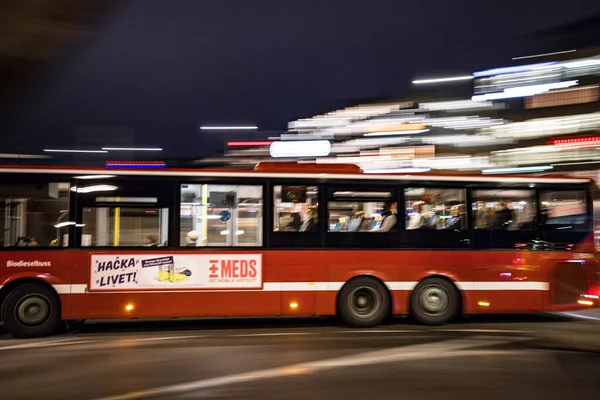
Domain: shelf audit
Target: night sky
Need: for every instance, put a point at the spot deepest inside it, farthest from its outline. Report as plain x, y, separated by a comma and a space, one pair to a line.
165, 67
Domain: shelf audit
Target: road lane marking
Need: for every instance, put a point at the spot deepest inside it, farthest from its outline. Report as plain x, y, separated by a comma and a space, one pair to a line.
482, 330
272, 334
52, 343
152, 339
451, 348
383, 331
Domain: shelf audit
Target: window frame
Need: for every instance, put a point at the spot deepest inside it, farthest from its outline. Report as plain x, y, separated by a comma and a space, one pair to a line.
219, 181
18, 179
293, 240
465, 236
164, 197
480, 244
361, 240
589, 212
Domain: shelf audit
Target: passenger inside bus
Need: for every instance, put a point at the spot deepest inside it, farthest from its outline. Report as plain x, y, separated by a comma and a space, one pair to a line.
152, 241
388, 219
311, 222
436, 209
191, 239
503, 216
419, 219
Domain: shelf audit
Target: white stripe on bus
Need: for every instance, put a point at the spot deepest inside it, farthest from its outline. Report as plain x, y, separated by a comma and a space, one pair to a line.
323, 287
319, 176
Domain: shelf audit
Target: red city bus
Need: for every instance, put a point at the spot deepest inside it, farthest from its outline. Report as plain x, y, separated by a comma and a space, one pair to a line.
289, 240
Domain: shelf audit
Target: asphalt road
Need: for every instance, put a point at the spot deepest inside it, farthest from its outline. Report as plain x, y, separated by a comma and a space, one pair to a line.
480, 358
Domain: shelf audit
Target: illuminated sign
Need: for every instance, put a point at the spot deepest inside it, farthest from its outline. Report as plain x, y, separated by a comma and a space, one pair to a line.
297, 148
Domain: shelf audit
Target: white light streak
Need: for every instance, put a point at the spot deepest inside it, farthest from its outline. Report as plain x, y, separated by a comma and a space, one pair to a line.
228, 128
63, 224
583, 63
74, 151
545, 54
99, 176
394, 133
524, 91
456, 105
94, 188
517, 169
396, 170
132, 148
440, 80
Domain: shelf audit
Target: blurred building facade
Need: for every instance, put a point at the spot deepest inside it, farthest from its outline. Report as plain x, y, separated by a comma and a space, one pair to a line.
540, 114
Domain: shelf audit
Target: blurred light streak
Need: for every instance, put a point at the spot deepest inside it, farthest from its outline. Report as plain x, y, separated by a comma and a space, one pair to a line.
577, 142
132, 148
517, 169
524, 91
311, 148
23, 156
228, 128
547, 126
249, 144
510, 70
545, 54
465, 140
440, 80
396, 127
346, 115
394, 133
376, 142
73, 151
575, 163
396, 170
457, 162
456, 105
582, 63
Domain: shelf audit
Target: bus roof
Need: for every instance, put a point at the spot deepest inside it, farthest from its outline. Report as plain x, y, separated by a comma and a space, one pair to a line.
300, 171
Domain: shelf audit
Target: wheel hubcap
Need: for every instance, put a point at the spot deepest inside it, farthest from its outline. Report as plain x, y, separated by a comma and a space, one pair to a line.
434, 300
364, 302
33, 310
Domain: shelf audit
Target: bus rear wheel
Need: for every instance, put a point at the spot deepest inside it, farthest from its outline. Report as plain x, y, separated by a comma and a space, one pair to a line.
31, 310
363, 303
435, 301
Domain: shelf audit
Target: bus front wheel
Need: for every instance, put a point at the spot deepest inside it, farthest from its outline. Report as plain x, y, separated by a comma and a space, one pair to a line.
31, 310
435, 301
363, 303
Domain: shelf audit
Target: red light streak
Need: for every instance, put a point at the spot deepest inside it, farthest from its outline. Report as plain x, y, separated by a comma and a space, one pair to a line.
245, 144
576, 141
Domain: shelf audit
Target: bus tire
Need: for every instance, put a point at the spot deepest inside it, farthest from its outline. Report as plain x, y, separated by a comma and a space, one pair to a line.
363, 303
31, 310
435, 301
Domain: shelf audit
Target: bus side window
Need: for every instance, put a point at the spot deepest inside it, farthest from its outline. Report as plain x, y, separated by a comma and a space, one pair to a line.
376, 212
225, 215
124, 227
564, 216
435, 218
295, 209
504, 218
35, 214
